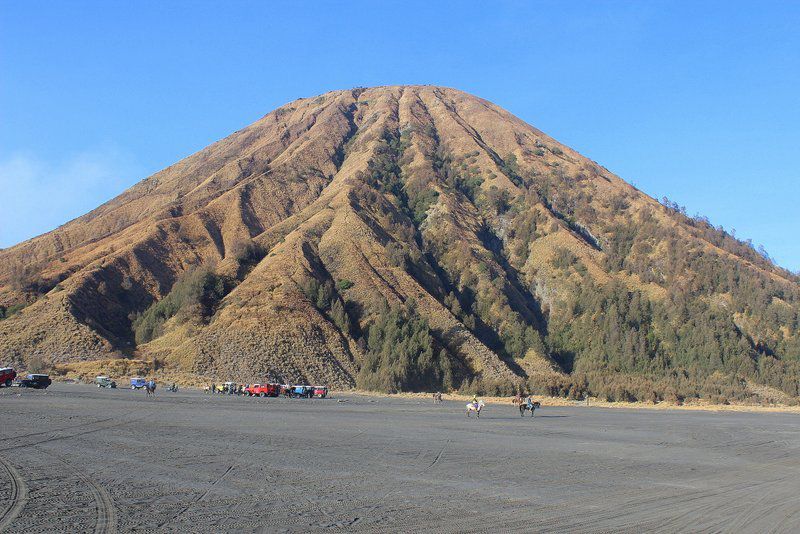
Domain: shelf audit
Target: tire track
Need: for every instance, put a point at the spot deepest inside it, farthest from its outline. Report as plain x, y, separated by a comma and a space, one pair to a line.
208, 490
18, 497
72, 435
212, 486
104, 505
438, 457
784, 524
54, 430
106, 513
202, 497
355, 436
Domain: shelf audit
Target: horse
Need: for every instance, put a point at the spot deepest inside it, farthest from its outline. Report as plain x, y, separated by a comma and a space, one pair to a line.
150, 387
524, 406
437, 398
475, 407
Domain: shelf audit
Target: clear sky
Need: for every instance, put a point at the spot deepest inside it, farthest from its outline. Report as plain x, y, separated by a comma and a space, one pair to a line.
696, 101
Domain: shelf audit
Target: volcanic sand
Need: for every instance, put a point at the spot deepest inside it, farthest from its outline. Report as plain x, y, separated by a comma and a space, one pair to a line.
76, 458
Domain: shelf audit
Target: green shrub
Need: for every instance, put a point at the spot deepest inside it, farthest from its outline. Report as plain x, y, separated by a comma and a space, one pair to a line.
344, 285
460, 179
510, 168
195, 294
340, 317
420, 203
321, 295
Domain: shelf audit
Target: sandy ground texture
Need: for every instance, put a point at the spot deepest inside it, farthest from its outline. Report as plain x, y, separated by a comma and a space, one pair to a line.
79, 459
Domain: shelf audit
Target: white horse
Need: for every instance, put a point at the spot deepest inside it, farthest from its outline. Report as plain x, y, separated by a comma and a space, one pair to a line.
475, 407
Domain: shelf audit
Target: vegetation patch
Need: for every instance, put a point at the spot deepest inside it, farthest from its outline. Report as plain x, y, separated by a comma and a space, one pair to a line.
324, 297
11, 311
401, 355
195, 295
344, 285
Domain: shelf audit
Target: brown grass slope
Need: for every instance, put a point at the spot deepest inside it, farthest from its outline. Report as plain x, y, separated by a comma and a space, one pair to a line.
471, 232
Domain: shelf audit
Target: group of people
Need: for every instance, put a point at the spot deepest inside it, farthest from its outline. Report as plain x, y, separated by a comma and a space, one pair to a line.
228, 388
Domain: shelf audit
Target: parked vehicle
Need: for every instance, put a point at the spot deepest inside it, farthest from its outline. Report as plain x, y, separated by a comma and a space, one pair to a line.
138, 383
105, 382
303, 392
320, 391
262, 390
7, 376
35, 381
285, 390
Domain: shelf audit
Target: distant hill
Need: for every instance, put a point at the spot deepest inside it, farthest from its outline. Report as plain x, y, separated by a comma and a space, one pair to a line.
406, 238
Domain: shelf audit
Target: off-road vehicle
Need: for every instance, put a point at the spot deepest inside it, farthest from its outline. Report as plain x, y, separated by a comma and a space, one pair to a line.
105, 382
7, 376
35, 381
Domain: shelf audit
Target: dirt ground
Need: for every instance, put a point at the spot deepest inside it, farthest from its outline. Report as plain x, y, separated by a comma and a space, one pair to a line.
80, 459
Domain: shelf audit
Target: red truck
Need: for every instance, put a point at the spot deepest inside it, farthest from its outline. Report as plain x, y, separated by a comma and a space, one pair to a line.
7, 376
262, 390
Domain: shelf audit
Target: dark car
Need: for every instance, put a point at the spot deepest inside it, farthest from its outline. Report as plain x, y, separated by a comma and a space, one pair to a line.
35, 381
7, 376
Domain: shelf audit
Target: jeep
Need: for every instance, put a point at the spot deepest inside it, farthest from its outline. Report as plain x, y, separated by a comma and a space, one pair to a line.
7, 376
105, 382
35, 381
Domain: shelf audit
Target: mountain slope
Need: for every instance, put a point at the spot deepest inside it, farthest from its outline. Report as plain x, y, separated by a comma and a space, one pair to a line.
404, 238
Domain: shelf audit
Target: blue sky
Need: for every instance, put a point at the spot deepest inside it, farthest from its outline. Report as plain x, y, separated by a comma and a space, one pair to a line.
697, 101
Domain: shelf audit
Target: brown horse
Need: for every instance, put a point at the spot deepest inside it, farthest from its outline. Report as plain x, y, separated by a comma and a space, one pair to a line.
524, 406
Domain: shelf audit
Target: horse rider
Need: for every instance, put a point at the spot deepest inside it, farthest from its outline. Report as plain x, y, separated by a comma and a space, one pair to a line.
529, 402
475, 400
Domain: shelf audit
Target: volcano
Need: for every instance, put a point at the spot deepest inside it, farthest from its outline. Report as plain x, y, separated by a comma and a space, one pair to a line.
405, 238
